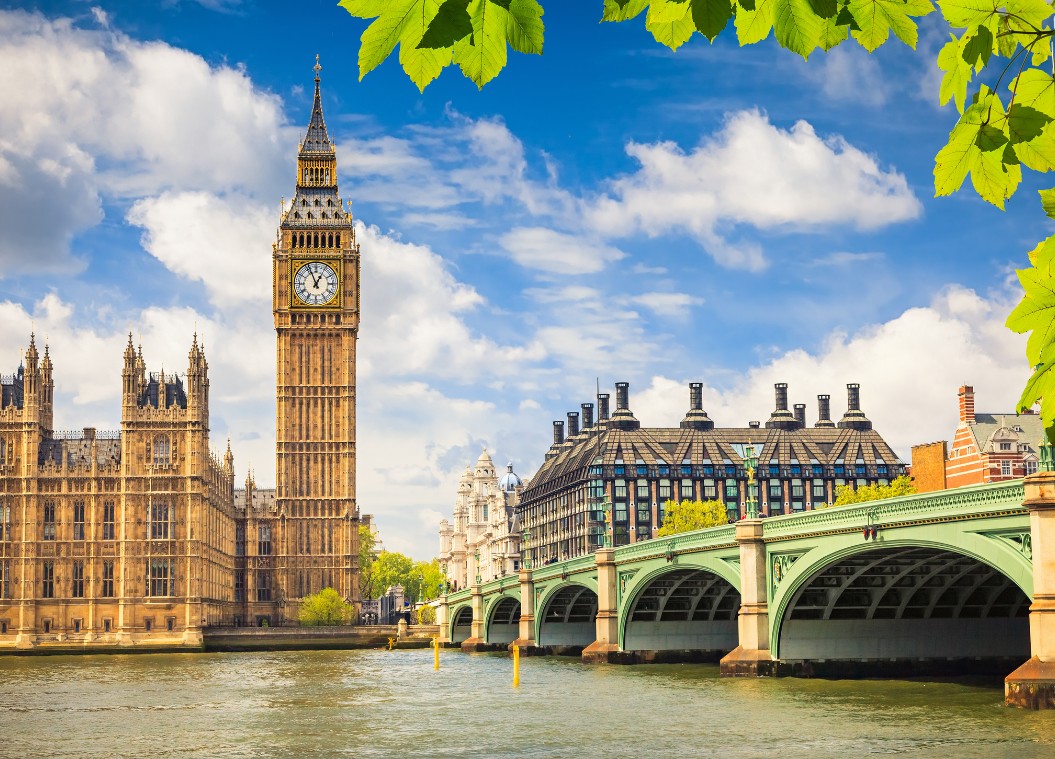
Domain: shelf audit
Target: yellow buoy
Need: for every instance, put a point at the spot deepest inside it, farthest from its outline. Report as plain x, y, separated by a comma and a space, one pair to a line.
391, 643
516, 666
436, 646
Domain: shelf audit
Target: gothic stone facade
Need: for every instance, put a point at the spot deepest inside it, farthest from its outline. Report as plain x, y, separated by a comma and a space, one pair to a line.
114, 538
484, 539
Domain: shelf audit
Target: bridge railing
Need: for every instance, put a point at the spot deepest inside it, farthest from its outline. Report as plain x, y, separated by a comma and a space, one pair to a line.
709, 537
974, 499
571, 566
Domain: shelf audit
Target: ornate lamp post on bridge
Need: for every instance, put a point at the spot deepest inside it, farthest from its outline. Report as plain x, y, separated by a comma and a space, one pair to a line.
526, 546
750, 464
476, 558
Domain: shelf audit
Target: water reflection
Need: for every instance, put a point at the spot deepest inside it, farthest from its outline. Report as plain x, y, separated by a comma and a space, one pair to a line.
384, 704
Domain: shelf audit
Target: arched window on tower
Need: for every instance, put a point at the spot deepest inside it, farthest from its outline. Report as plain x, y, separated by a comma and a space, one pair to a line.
162, 453
338, 239
318, 202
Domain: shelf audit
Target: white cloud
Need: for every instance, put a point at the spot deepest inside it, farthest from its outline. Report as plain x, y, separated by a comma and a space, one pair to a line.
849, 74
91, 113
223, 242
752, 174
557, 253
672, 305
909, 369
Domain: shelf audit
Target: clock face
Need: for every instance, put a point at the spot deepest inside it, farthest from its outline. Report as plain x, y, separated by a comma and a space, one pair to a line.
315, 283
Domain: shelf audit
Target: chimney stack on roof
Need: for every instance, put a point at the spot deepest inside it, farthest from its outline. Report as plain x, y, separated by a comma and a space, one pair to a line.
696, 418
623, 418
558, 433
602, 407
573, 423
966, 396
854, 418
587, 415
781, 418
824, 411
800, 414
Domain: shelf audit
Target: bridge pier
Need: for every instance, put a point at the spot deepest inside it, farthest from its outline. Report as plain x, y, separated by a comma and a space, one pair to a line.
443, 620
1032, 685
475, 641
605, 647
526, 631
752, 657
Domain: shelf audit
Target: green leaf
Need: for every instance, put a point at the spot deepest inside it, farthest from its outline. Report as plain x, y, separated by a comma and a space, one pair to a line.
482, 55
382, 36
449, 25
957, 74
422, 63
1036, 311
978, 144
833, 33
969, 13
1040, 388
1047, 201
364, 8
845, 18
825, 8
503, 3
753, 24
1036, 89
1032, 12
524, 27
623, 10
877, 18
977, 47
711, 16
796, 25
672, 33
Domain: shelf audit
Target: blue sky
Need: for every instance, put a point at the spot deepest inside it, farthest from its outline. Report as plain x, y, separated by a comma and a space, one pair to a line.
608, 210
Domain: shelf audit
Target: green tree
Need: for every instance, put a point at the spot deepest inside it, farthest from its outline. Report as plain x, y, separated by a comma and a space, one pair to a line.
998, 46
426, 615
691, 515
391, 568
428, 579
325, 608
367, 546
845, 494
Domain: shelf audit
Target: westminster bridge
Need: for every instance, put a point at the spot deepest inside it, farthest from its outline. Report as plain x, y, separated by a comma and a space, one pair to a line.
939, 583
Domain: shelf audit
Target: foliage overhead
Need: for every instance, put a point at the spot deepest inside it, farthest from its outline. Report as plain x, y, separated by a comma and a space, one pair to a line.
691, 515
325, 608
846, 494
999, 46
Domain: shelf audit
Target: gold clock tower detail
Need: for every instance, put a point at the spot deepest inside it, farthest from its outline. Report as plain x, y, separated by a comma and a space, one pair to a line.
316, 306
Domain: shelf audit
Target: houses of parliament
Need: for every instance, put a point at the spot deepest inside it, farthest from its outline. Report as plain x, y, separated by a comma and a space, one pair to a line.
139, 537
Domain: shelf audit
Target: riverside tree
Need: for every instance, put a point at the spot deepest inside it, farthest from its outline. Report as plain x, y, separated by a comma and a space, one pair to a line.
845, 494
325, 608
997, 65
691, 515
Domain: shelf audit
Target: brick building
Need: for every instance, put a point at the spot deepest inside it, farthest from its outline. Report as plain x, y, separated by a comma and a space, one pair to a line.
985, 448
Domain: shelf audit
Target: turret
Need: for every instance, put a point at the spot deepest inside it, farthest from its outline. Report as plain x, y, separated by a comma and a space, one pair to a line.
47, 391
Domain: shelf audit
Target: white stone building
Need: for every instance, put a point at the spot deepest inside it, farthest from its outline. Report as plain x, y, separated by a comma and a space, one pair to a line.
484, 539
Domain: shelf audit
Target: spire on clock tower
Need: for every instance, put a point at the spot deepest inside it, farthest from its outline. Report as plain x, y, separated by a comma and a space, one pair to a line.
316, 140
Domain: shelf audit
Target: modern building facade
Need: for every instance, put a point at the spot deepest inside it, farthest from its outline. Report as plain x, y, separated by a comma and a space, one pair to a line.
484, 539
986, 447
606, 482
138, 537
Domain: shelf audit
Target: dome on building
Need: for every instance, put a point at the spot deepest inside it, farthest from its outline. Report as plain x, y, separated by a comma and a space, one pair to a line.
510, 481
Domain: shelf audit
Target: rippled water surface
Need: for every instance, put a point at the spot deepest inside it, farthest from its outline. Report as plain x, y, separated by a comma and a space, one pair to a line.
390, 704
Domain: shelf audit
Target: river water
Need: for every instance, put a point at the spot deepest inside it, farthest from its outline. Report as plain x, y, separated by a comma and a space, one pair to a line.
393, 703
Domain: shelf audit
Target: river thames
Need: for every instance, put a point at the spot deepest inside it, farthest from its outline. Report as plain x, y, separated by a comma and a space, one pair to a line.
390, 704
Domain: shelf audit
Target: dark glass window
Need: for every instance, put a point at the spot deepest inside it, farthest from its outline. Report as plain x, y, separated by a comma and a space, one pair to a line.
263, 542
161, 577
160, 514
108, 520
78, 522
47, 579
108, 579
49, 522
78, 579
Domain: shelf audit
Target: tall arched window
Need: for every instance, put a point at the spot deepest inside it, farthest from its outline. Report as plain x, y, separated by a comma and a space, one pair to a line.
162, 452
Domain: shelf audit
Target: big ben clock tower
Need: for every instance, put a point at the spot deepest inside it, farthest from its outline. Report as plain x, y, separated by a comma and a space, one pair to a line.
316, 307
